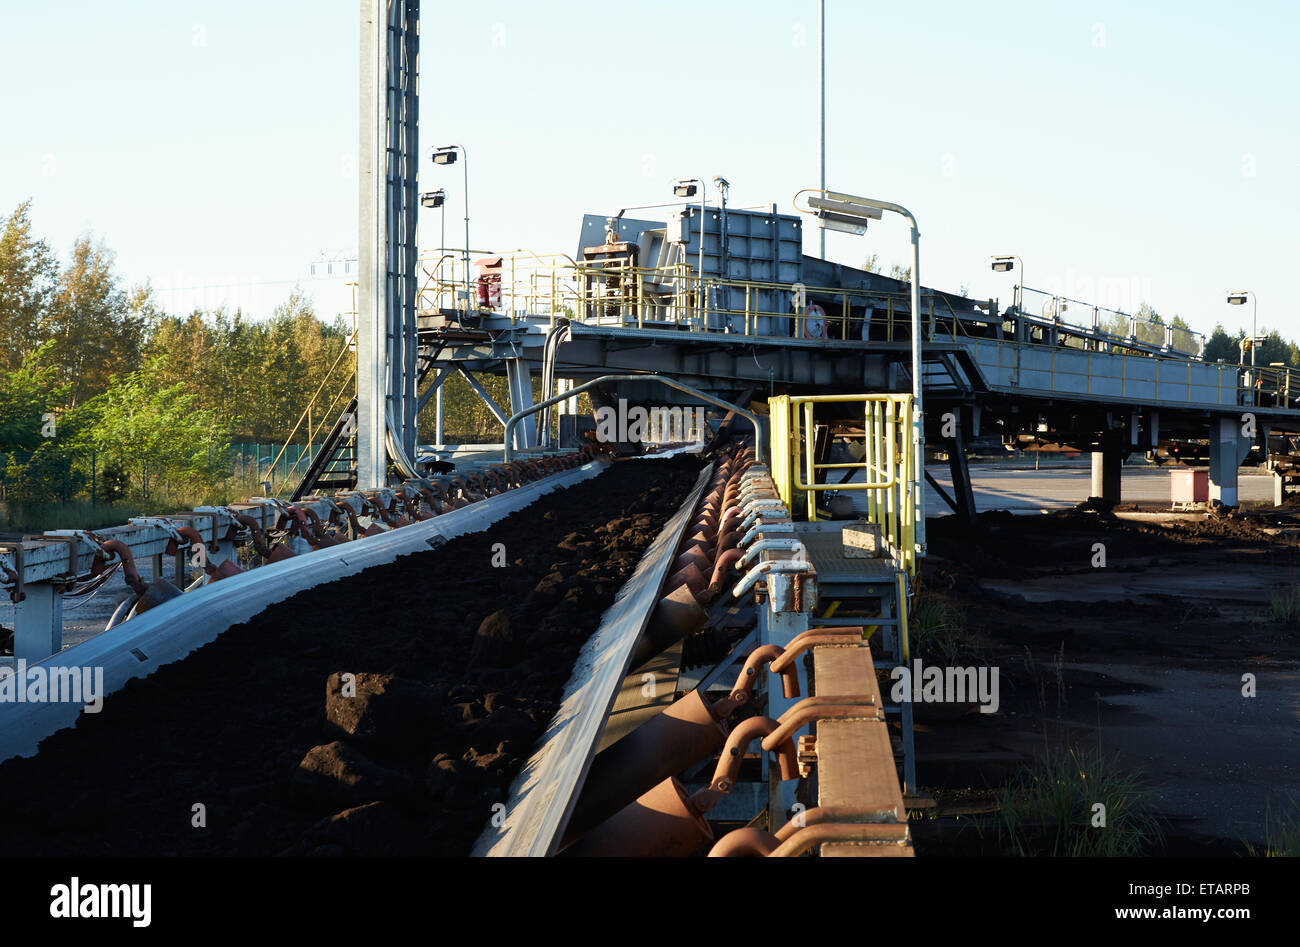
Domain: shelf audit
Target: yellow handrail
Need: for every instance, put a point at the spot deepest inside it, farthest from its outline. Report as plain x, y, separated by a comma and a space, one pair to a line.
888, 463
311, 402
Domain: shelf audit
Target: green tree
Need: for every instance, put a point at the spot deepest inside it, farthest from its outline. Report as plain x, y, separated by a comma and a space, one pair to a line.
1146, 314
28, 275
27, 394
38, 438
1273, 349
94, 334
1220, 345
163, 440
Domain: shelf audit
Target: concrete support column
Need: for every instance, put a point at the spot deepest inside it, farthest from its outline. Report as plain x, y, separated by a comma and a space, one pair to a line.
1107, 466
1227, 450
38, 623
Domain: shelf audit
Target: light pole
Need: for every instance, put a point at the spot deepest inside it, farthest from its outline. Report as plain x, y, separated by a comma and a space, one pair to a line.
850, 214
1239, 299
821, 70
438, 200
685, 187
1003, 264
447, 155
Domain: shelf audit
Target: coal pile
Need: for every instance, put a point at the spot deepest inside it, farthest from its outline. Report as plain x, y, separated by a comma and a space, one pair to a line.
384, 714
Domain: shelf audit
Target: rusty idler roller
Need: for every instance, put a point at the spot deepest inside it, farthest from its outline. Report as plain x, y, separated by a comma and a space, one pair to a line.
709, 553
662, 820
660, 824
665, 821
688, 731
676, 615
695, 583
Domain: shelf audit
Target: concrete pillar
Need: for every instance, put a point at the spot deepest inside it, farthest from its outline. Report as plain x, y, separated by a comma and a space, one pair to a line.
1107, 466
38, 623
1227, 450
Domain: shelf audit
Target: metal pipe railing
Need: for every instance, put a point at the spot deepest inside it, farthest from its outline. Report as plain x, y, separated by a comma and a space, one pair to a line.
513, 421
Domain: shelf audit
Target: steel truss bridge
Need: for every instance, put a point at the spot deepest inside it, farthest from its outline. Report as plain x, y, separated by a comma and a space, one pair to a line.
1029, 376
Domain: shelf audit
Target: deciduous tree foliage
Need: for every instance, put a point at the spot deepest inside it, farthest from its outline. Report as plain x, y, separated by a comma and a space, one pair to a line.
28, 276
154, 395
160, 436
256, 377
91, 332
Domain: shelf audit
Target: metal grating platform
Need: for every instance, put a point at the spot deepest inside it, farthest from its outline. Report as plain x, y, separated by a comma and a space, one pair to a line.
837, 572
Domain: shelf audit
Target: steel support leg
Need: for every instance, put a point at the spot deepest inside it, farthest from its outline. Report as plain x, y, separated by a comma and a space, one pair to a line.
959, 465
520, 381
38, 623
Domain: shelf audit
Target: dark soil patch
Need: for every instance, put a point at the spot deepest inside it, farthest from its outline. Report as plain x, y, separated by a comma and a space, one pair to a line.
1043, 700
455, 669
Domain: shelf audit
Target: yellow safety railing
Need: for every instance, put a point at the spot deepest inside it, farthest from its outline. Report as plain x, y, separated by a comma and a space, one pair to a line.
673, 295
613, 292
888, 465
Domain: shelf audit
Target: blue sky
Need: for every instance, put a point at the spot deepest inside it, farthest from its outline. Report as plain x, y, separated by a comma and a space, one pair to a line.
1148, 149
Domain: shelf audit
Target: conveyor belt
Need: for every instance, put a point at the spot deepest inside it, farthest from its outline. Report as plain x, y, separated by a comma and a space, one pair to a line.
542, 797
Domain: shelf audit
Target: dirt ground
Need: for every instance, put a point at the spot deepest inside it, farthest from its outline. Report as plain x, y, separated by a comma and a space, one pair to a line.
457, 667
1139, 655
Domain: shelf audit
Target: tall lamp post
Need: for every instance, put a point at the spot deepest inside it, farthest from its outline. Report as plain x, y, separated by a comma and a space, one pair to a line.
685, 187
1003, 264
821, 72
849, 214
438, 199
447, 155
1239, 299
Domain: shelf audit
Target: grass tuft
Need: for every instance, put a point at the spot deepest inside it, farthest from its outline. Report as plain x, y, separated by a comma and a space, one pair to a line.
936, 628
1048, 808
1284, 605
1281, 834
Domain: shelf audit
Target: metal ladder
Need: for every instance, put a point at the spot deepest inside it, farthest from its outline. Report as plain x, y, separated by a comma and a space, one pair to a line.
335, 466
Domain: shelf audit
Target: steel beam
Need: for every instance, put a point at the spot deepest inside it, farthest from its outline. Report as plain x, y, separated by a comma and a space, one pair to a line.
483, 393
959, 466
389, 154
520, 382
434, 388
